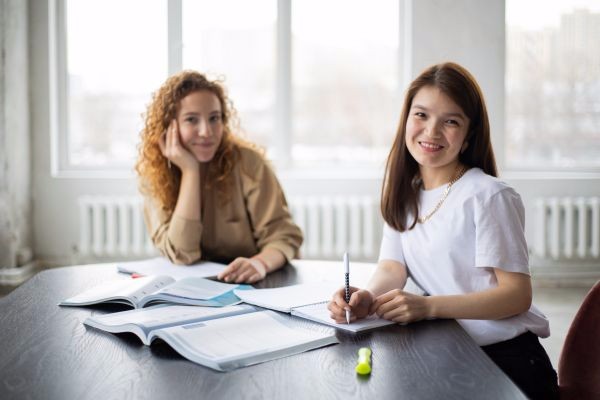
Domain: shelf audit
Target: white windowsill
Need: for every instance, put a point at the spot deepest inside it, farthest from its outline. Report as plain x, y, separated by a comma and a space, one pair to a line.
330, 173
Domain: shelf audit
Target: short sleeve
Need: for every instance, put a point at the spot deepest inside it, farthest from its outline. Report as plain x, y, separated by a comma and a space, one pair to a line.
500, 232
391, 245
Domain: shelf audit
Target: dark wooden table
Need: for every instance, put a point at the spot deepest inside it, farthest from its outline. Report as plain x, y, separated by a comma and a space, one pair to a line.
47, 353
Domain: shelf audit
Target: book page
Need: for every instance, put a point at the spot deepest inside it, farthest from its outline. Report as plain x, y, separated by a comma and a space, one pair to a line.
320, 313
286, 298
162, 266
168, 315
132, 289
197, 292
198, 288
242, 336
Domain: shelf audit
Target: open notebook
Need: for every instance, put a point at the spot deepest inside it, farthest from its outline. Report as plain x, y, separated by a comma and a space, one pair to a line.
220, 338
307, 301
149, 290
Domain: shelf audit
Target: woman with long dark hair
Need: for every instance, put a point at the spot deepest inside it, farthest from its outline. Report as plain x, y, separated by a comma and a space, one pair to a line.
457, 231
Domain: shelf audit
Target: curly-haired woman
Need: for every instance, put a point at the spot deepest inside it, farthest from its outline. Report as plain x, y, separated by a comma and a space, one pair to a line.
209, 194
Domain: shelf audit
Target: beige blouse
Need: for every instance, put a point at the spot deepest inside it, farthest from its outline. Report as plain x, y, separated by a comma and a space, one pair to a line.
255, 217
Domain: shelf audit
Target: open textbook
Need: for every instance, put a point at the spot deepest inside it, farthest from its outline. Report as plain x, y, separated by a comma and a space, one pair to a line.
162, 266
145, 320
151, 290
307, 301
223, 339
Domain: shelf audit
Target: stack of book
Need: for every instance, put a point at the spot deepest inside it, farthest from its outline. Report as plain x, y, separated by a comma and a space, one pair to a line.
222, 333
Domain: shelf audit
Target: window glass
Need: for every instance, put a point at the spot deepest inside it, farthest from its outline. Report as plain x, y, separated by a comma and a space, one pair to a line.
116, 56
552, 83
345, 84
234, 40
345, 81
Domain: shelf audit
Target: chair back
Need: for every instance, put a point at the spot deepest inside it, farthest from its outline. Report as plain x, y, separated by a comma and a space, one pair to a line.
579, 365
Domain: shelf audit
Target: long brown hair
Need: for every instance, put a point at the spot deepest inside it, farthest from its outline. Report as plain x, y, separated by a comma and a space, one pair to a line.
156, 178
399, 197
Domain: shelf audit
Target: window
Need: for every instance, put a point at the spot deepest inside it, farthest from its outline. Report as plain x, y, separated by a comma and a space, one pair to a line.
345, 88
553, 84
343, 92
113, 61
238, 49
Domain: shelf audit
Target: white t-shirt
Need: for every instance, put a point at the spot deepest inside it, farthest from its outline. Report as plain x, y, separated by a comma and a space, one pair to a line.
480, 225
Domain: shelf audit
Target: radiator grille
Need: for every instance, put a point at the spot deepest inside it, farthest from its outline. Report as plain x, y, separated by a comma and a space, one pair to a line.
114, 226
567, 228
332, 225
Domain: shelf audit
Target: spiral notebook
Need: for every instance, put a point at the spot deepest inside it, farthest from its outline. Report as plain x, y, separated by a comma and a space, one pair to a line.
319, 313
307, 301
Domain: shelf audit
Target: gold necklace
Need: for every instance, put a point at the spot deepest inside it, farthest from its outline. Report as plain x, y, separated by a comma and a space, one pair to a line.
458, 175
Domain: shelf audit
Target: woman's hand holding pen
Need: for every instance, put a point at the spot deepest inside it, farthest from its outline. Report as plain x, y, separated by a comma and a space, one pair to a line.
400, 306
395, 305
173, 149
360, 302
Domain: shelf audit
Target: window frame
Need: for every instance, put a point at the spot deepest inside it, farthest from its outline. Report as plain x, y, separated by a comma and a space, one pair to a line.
60, 167
534, 172
283, 118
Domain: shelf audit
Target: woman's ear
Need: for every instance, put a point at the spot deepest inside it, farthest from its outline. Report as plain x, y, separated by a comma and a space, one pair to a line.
464, 147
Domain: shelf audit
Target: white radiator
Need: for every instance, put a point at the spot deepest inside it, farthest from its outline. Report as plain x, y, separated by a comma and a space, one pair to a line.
114, 226
332, 225
567, 228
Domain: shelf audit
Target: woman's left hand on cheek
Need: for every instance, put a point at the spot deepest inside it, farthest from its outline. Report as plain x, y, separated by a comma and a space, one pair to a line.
399, 306
243, 270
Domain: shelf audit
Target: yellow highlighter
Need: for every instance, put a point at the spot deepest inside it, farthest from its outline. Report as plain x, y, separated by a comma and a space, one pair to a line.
364, 361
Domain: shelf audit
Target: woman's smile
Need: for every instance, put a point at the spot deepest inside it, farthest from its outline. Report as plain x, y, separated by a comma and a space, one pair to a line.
430, 147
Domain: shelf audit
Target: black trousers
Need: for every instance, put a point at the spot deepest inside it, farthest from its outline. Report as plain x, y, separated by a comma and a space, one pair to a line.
526, 363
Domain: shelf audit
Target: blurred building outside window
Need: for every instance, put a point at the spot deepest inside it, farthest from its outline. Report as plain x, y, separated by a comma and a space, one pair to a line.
552, 84
345, 91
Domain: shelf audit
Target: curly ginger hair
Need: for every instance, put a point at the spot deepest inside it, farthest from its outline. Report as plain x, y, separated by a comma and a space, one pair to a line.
157, 179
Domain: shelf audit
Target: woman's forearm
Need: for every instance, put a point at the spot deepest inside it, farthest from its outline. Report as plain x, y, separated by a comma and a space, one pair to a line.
188, 200
511, 297
272, 259
389, 275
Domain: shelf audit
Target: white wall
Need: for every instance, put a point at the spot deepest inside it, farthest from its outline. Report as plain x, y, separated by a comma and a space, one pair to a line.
15, 160
470, 32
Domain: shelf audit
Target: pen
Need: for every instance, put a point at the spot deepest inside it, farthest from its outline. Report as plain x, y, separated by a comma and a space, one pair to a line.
347, 286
